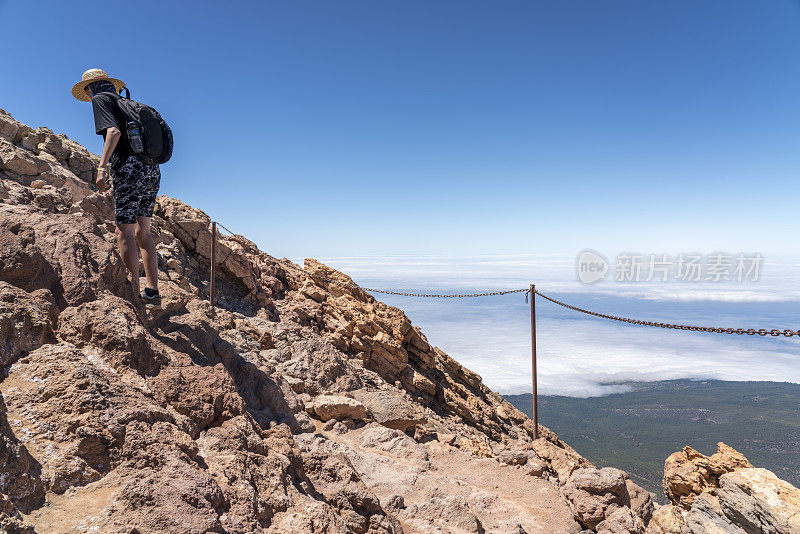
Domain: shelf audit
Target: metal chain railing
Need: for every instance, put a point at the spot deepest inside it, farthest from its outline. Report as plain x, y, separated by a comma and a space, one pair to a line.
710, 329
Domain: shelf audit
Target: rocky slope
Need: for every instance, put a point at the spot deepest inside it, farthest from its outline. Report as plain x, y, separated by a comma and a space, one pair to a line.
298, 405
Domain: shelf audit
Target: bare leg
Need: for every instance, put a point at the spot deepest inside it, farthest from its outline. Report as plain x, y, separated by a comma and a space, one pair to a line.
148, 247
127, 248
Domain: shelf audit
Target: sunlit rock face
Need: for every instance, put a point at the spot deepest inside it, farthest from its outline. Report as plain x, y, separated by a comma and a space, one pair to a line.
724, 493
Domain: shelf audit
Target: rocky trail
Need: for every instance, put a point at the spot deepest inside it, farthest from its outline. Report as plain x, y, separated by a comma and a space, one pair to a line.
298, 406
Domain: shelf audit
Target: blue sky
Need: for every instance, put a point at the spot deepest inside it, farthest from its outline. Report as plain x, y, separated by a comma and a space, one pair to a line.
453, 127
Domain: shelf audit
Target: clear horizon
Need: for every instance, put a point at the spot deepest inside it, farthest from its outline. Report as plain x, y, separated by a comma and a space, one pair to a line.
458, 128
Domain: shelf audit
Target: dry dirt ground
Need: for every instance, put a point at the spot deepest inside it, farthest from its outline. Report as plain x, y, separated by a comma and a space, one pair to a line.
441, 488
503, 498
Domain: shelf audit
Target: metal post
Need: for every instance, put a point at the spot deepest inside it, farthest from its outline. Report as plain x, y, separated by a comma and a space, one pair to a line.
533, 362
213, 261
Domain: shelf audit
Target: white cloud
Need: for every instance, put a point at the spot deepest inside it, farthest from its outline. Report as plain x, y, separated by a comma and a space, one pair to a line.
579, 355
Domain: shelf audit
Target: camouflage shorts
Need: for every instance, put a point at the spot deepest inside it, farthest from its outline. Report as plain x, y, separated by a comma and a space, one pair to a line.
135, 189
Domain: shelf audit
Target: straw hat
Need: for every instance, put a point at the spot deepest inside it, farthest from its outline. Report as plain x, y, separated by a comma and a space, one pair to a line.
93, 75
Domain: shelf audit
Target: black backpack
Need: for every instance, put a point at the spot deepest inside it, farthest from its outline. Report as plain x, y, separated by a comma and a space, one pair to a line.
149, 136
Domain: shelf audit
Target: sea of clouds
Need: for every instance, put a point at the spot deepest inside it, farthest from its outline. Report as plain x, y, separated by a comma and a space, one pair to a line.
580, 355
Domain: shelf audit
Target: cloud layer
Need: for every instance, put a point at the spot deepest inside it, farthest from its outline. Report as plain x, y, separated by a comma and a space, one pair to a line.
580, 355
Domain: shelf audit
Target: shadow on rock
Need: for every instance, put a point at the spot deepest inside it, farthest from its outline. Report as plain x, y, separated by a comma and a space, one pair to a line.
268, 401
66, 254
20, 473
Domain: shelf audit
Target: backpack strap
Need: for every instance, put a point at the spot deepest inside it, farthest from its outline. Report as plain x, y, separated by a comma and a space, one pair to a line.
127, 93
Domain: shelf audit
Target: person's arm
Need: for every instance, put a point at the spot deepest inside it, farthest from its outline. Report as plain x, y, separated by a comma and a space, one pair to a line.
106, 123
112, 138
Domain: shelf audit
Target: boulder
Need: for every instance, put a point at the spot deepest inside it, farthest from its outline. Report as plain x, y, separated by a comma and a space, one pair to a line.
621, 521
328, 407
53, 145
185, 222
395, 502
81, 161
667, 520
394, 442
513, 457
27, 321
31, 138
78, 445
22, 262
688, 473
595, 494
724, 493
758, 501
391, 409
535, 467
18, 161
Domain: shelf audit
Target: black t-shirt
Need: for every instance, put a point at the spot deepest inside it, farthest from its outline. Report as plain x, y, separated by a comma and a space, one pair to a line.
106, 115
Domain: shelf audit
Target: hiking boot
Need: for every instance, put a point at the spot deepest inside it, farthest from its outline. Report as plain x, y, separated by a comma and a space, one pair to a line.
151, 302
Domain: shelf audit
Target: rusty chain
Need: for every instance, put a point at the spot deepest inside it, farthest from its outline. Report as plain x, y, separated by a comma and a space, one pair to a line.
710, 329
402, 293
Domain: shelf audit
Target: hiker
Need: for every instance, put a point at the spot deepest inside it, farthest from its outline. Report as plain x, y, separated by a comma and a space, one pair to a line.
135, 184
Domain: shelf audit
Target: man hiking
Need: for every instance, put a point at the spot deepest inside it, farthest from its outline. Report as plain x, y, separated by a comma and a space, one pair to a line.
135, 184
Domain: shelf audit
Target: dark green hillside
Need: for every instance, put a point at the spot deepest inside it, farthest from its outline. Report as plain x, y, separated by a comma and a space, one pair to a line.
636, 431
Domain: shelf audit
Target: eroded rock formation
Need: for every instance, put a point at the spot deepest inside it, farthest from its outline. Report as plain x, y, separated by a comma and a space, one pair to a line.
724, 493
